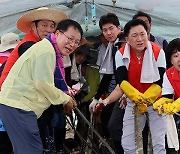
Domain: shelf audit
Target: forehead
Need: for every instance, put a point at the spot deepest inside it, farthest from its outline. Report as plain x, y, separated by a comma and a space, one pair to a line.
46, 21
74, 32
108, 25
136, 29
175, 52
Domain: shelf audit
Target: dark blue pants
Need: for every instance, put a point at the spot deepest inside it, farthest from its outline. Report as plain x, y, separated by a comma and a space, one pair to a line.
22, 130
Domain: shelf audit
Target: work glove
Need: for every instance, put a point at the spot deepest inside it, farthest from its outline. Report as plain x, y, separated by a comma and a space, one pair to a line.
158, 105
92, 106
101, 104
173, 107
142, 107
132, 93
152, 93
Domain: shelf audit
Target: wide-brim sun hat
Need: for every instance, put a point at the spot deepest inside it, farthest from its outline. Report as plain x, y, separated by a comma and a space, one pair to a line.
9, 41
43, 13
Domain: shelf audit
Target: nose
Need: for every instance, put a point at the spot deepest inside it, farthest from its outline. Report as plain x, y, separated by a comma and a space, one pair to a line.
108, 31
139, 38
50, 29
73, 44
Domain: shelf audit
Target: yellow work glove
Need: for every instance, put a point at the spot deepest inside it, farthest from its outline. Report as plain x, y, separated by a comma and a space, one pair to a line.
142, 107
131, 92
173, 107
158, 105
152, 93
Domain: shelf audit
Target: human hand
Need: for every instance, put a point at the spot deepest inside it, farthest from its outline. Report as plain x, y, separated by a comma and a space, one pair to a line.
143, 108
169, 108
159, 104
101, 104
93, 105
70, 105
71, 91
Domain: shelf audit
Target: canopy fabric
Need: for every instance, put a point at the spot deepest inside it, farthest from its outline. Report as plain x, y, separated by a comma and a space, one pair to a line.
165, 13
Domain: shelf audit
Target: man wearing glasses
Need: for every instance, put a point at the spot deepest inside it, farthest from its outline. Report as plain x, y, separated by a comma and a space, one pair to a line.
34, 83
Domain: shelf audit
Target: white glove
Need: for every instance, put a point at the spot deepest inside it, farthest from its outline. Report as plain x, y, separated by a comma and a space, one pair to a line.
92, 106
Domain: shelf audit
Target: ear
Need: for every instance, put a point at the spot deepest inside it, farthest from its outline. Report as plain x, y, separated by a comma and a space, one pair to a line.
172, 62
150, 24
119, 28
33, 25
127, 40
57, 33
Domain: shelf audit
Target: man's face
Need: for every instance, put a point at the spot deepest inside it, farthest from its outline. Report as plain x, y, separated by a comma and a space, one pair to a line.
111, 32
43, 28
145, 19
68, 41
137, 38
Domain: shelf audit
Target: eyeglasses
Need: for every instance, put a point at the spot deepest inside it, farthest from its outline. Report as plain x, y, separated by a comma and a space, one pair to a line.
71, 40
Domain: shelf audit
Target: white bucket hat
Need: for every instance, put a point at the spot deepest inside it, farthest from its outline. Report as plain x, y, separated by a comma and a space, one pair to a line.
43, 13
9, 41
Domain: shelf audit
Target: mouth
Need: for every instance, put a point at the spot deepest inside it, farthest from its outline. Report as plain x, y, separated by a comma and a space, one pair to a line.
45, 35
110, 37
140, 44
68, 50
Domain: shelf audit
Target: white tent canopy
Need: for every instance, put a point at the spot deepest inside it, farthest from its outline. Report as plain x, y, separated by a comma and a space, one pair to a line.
165, 13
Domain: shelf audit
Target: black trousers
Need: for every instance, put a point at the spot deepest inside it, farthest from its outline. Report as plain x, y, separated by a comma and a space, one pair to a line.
5, 143
115, 126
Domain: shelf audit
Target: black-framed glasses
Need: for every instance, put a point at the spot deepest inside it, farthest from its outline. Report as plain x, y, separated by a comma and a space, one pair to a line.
71, 40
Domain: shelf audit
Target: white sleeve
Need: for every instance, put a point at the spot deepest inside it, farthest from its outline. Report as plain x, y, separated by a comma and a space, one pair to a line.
118, 59
161, 61
166, 86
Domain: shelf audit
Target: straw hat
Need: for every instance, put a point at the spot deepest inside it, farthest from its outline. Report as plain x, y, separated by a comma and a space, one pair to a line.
44, 13
9, 41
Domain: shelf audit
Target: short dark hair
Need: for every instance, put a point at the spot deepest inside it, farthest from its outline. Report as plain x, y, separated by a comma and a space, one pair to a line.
109, 18
142, 14
133, 23
65, 24
173, 47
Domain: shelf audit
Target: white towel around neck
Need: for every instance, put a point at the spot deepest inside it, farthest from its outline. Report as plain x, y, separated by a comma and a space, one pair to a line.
149, 72
75, 72
106, 62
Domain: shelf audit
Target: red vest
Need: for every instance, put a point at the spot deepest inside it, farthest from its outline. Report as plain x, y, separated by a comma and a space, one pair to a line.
174, 79
135, 66
14, 55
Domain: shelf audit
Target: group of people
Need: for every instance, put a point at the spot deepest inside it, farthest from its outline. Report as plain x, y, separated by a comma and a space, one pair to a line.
138, 65
131, 67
